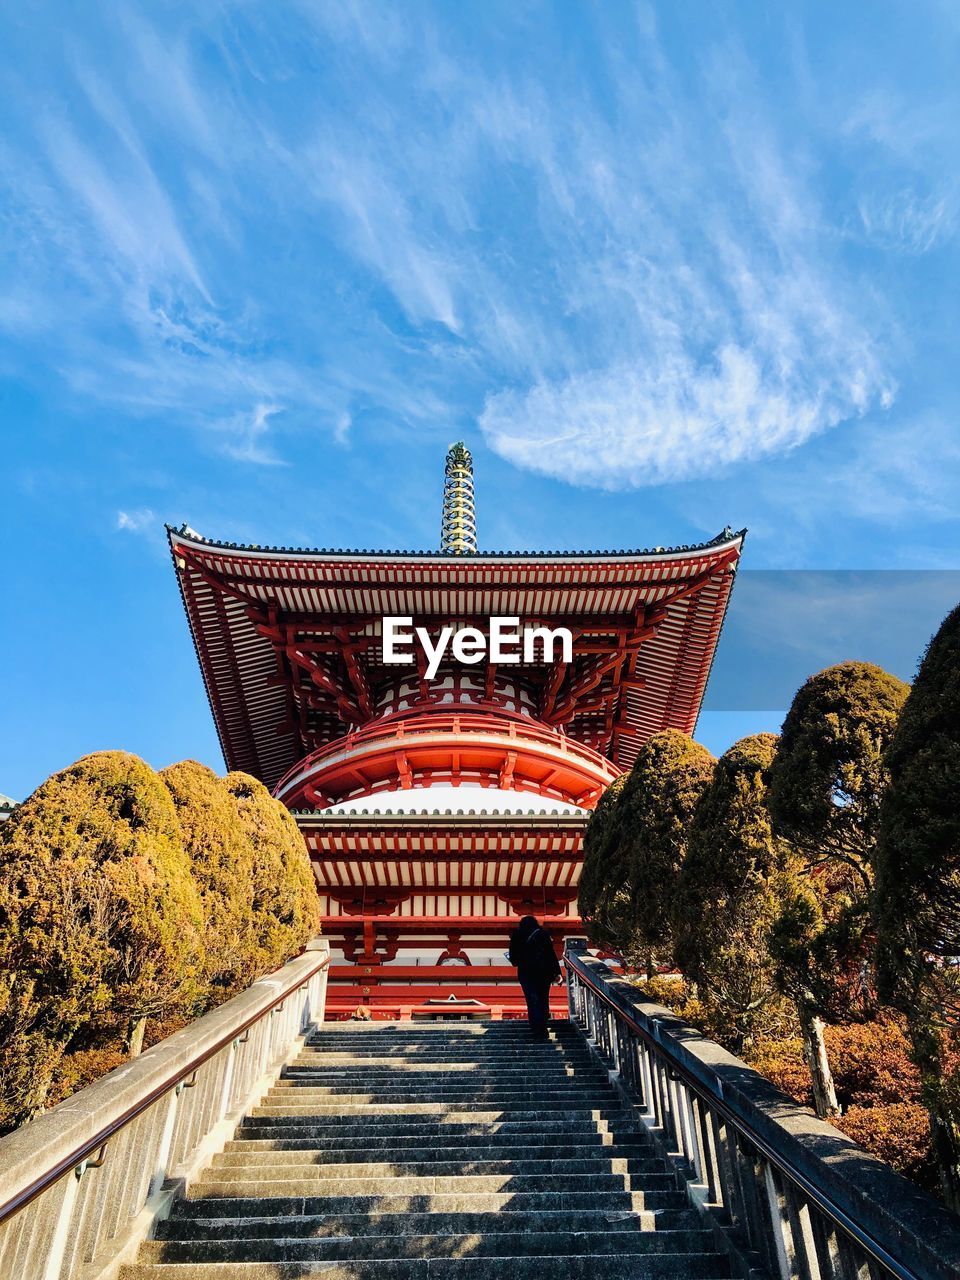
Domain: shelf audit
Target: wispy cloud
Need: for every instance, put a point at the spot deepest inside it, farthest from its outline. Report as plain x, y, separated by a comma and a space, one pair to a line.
341, 430
672, 418
245, 436
880, 492
131, 214
906, 220
376, 221
141, 520
907, 188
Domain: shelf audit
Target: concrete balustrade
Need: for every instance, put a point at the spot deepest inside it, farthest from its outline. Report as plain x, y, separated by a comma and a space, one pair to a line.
82, 1186
792, 1194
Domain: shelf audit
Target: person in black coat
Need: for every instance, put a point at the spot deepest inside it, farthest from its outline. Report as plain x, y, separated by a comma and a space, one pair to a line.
537, 967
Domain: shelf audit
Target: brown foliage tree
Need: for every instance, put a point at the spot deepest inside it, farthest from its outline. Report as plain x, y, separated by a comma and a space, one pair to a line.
877, 1084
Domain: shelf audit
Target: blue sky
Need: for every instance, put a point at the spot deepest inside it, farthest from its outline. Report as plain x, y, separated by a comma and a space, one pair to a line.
664, 267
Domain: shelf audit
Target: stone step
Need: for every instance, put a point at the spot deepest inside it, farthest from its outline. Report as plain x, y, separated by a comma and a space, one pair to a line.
298, 1091
434, 1065
474, 1050
508, 1055
467, 1051
435, 1061
543, 1244
448, 1039
303, 1094
399, 1047
442, 1080
433, 1072
289, 1182
417, 1224
533, 1062
465, 1081
522, 1071
583, 1267
440, 1062
575, 1105
286, 1164
558, 1147
305, 1086
447, 1032
447, 1035
237, 1201
426, 1126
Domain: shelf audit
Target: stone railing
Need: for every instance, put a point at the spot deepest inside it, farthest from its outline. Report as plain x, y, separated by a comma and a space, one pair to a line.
81, 1186
789, 1193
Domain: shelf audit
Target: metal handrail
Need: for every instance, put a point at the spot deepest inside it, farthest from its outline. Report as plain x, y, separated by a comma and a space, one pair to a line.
709, 1089
100, 1139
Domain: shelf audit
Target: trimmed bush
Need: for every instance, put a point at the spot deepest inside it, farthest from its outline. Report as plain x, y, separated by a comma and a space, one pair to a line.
222, 859
641, 844
99, 918
603, 868
126, 897
728, 895
826, 783
285, 911
918, 888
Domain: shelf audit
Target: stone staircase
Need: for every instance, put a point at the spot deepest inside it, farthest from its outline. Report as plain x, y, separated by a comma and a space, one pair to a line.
404, 1151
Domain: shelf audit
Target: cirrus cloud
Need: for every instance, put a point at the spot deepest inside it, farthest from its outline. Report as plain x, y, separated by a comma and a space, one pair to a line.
630, 425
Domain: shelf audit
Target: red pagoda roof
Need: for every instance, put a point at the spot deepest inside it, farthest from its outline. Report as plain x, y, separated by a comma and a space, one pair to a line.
289, 640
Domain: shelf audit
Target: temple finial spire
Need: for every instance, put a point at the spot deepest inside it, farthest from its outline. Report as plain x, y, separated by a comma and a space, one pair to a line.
459, 529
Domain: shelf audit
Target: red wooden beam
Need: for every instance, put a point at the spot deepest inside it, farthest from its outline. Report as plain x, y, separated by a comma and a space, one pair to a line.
355, 671
506, 771
551, 688
588, 679
404, 772
491, 677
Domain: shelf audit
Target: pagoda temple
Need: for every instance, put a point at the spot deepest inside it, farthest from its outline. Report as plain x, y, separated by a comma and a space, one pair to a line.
438, 810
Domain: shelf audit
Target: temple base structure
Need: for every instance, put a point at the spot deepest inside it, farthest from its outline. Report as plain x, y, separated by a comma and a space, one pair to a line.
419, 906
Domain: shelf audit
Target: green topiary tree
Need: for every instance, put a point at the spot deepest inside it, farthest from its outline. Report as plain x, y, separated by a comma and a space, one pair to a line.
285, 908
644, 846
221, 858
99, 916
918, 888
603, 868
826, 783
728, 896
668, 778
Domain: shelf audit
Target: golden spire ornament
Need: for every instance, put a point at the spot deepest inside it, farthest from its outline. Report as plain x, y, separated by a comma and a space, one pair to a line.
459, 529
